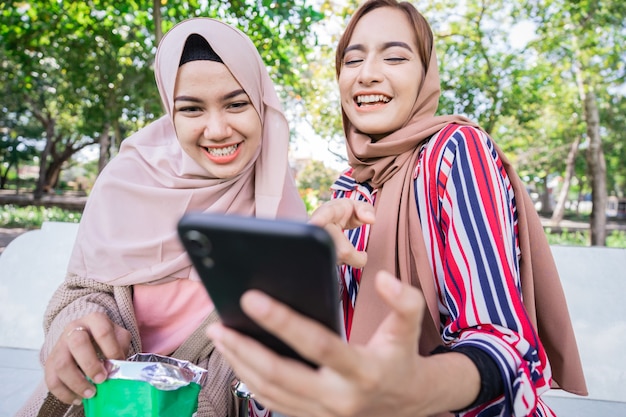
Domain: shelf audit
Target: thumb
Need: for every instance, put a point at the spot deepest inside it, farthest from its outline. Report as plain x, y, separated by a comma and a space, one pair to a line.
402, 326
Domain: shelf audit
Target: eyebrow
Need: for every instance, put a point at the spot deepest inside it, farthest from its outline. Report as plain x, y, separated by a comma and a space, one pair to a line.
233, 94
386, 45
227, 96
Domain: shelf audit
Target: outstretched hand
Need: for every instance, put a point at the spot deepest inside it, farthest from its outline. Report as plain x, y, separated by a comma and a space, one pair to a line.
340, 214
78, 354
384, 377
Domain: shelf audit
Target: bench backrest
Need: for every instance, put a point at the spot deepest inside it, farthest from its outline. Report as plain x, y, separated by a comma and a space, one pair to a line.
31, 267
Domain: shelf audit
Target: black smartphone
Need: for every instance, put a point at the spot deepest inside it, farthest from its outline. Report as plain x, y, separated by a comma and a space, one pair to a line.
293, 262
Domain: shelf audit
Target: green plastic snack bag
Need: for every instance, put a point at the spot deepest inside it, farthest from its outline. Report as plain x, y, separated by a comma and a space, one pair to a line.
147, 385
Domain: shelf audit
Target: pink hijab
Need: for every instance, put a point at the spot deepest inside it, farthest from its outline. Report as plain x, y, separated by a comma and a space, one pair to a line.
128, 232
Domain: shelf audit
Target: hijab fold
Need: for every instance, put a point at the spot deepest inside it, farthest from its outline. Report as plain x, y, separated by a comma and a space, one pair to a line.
127, 234
396, 242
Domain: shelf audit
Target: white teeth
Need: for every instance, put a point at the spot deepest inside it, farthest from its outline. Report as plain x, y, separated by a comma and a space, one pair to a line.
372, 98
222, 151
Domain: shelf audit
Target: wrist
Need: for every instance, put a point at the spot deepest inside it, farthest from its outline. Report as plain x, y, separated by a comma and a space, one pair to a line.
452, 382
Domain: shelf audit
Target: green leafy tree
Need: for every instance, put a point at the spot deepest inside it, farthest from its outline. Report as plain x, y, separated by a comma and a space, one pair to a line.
314, 181
587, 36
84, 69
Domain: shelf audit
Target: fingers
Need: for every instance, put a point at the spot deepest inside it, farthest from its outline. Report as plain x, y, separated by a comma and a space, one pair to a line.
78, 355
344, 213
309, 338
280, 384
345, 251
85, 355
347, 374
337, 215
111, 340
63, 377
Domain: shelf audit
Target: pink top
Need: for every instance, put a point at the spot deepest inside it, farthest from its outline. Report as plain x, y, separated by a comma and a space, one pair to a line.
168, 313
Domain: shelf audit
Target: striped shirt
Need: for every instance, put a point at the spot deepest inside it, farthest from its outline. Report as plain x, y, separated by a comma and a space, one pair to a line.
468, 216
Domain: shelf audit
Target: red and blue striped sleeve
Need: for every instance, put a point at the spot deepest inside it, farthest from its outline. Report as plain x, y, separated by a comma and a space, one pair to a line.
467, 211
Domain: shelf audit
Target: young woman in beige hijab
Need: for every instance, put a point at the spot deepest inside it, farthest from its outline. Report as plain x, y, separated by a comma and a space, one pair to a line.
221, 147
488, 331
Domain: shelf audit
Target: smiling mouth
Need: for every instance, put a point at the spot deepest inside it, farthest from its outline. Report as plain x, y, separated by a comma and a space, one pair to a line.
371, 99
224, 151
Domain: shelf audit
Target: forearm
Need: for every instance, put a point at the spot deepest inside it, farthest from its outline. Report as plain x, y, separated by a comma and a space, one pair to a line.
450, 381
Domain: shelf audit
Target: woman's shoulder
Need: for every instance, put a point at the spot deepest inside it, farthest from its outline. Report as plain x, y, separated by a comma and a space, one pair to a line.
453, 137
460, 132
453, 140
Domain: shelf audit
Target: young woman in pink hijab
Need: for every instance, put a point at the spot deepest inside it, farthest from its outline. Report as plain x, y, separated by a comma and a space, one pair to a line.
221, 147
459, 308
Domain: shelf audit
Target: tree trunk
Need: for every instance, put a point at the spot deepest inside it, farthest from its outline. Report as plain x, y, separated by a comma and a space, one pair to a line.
105, 148
4, 176
559, 209
595, 156
17, 177
597, 171
158, 28
52, 176
156, 17
545, 197
41, 181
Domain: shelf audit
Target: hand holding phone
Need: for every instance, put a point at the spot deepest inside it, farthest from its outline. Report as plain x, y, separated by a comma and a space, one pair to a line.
293, 262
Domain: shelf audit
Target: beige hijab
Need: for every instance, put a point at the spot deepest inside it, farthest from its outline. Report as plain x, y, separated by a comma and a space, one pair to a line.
128, 231
396, 243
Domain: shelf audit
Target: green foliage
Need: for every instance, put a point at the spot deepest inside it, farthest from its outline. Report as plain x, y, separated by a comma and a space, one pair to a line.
13, 152
75, 71
319, 105
617, 238
317, 177
311, 200
575, 238
31, 217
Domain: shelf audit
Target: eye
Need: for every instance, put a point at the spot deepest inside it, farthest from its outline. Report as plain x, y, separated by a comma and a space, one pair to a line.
350, 62
395, 59
239, 105
188, 109
353, 58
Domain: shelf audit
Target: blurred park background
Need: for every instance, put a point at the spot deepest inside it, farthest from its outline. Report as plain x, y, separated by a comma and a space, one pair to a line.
546, 78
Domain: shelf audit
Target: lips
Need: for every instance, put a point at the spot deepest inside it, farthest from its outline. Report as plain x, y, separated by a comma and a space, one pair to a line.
223, 154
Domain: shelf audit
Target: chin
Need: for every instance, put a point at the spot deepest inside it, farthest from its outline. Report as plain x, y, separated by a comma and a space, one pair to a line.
377, 132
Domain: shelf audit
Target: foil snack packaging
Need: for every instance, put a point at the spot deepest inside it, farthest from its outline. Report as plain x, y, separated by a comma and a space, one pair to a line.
147, 385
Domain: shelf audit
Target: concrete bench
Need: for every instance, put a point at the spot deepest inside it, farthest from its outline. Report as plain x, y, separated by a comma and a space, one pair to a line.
31, 267
594, 280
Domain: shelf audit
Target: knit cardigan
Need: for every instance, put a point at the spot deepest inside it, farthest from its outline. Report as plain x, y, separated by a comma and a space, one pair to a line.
78, 297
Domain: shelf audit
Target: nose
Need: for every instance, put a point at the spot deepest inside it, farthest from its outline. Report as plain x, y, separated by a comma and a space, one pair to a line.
217, 127
370, 72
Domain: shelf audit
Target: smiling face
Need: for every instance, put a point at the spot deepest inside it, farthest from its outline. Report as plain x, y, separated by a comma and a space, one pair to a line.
215, 121
380, 73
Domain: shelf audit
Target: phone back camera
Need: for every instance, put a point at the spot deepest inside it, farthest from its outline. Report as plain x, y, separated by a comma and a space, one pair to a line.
198, 243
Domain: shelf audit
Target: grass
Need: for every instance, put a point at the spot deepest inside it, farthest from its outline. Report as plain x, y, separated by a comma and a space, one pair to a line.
615, 239
31, 217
